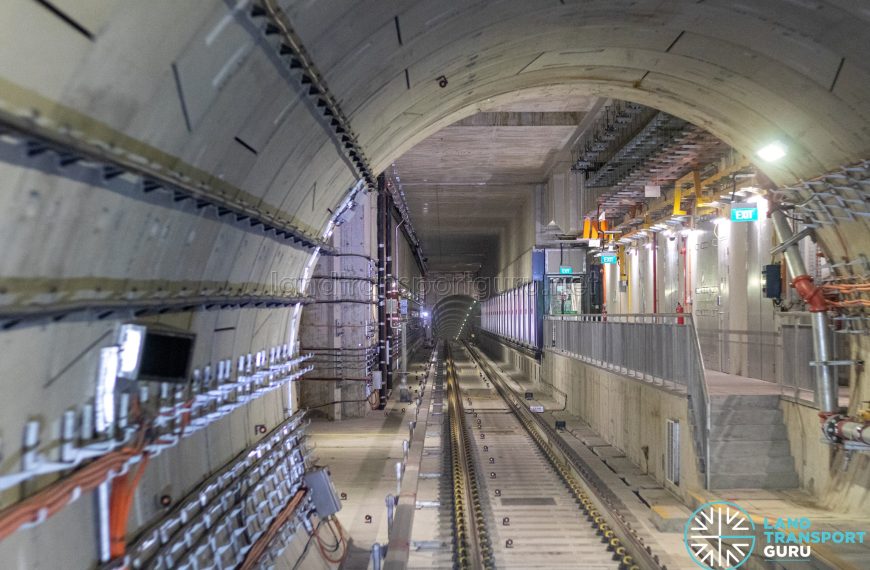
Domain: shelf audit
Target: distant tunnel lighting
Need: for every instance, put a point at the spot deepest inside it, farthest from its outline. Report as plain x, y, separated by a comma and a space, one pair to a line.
425, 314
772, 152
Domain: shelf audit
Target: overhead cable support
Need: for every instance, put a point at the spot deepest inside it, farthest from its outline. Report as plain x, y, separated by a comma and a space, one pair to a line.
99, 309
291, 50
151, 170
394, 187
98, 459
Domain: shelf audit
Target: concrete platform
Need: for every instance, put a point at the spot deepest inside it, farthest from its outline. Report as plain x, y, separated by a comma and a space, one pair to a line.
362, 455
658, 507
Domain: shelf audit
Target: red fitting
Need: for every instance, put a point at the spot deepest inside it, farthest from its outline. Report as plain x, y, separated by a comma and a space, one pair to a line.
811, 294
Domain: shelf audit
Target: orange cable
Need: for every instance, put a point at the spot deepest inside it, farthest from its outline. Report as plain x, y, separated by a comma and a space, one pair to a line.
55, 497
123, 491
262, 543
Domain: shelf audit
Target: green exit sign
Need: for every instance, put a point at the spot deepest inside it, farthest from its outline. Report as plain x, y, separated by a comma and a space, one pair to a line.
744, 212
608, 259
565, 270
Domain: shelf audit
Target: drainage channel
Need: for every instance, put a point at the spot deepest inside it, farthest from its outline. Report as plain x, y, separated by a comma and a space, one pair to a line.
516, 505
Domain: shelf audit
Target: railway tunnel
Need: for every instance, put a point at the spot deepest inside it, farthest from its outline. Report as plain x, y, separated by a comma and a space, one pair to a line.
407, 284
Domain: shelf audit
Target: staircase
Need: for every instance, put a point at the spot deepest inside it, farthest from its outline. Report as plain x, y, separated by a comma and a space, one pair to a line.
749, 446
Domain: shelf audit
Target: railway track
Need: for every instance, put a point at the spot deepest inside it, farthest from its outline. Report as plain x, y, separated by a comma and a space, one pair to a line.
517, 503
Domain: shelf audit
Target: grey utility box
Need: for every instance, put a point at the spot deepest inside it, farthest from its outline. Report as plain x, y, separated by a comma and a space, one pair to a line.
323, 493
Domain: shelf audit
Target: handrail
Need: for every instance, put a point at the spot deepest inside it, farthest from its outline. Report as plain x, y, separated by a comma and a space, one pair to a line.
650, 318
701, 409
615, 348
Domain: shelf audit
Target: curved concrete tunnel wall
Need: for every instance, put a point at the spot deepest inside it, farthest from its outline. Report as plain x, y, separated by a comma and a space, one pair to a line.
748, 73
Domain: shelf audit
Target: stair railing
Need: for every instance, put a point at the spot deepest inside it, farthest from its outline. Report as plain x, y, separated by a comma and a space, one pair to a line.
662, 349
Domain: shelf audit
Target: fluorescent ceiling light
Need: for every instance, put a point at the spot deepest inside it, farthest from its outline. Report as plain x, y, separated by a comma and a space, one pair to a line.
772, 152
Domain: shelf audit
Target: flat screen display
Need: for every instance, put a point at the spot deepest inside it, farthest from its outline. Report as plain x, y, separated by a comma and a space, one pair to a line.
166, 357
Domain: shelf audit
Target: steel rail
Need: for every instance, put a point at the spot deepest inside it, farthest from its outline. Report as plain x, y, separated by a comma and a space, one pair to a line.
600, 505
473, 549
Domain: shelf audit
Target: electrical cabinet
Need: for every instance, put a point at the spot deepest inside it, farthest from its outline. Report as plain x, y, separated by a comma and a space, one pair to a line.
772, 281
323, 494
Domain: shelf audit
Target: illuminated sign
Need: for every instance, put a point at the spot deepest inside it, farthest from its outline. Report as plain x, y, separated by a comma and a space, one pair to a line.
744, 212
608, 259
564, 270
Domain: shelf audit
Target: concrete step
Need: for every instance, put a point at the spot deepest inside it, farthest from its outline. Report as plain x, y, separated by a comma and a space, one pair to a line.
773, 480
732, 450
728, 464
670, 518
749, 432
752, 416
741, 401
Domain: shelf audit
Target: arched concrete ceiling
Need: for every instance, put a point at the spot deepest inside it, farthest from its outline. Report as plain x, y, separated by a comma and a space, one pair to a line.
748, 72
195, 79
449, 314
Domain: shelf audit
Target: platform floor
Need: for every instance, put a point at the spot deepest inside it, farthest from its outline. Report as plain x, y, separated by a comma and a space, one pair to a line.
760, 503
722, 384
362, 454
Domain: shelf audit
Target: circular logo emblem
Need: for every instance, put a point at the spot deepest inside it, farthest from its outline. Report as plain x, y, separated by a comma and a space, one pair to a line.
719, 535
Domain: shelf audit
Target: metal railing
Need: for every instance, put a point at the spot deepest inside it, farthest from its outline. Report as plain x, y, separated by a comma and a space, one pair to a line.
780, 356
795, 375
661, 349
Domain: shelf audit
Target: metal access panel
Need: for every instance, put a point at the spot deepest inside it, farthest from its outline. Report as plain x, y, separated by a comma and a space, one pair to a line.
323, 494
575, 258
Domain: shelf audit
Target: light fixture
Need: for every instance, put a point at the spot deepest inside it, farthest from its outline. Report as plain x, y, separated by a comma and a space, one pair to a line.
105, 397
131, 339
772, 152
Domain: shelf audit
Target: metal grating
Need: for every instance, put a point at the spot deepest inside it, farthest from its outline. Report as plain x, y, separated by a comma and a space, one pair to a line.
839, 201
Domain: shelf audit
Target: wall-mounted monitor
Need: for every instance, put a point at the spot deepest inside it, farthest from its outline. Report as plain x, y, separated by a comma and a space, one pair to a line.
166, 355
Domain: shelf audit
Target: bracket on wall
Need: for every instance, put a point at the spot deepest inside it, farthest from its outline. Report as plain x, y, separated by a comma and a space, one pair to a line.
148, 168
807, 231
291, 51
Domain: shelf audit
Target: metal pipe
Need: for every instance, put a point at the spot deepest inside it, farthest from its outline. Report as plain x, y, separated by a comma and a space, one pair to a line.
383, 357
376, 556
655, 249
827, 389
103, 521
396, 249
388, 284
849, 429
